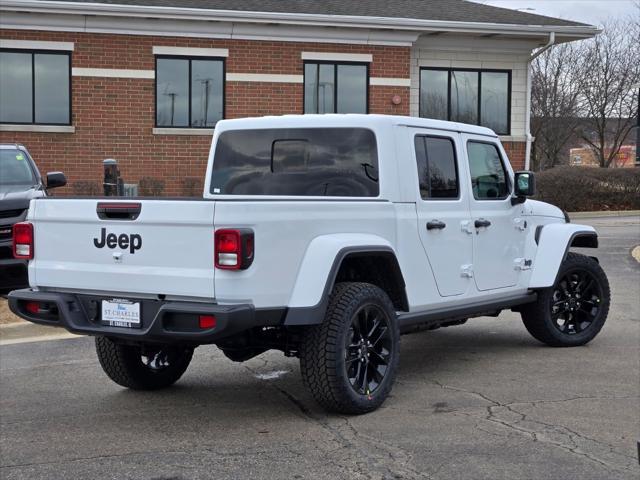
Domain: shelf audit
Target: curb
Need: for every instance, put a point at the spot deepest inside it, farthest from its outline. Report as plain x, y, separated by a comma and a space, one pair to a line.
605, 213
16, 324
25, 332
40, 338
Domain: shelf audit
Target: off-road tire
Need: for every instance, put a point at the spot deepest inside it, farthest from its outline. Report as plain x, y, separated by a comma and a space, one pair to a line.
325, 346
537, 316
123, 364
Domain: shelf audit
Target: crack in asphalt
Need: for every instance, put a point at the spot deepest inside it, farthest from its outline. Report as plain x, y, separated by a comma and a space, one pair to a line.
398, 455
308, 415
375, 451
543, 435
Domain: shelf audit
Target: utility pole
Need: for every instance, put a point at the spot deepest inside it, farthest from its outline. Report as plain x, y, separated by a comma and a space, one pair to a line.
173, 105
206, 84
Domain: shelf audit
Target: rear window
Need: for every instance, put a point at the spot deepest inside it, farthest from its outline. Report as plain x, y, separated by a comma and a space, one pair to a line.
323, 162
437, 172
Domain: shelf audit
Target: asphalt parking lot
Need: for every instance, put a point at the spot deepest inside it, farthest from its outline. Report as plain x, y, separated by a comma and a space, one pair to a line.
483, 400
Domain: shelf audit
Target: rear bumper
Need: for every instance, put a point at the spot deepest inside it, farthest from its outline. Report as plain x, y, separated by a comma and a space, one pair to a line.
162, 321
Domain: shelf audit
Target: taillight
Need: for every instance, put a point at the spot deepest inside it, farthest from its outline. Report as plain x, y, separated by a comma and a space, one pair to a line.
23, 240
207, 321
233, 249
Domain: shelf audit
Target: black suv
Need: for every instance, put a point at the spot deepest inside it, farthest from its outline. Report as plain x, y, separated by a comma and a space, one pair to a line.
20, 181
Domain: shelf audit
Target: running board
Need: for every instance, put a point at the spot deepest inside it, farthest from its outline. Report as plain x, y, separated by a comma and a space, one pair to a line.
434, 318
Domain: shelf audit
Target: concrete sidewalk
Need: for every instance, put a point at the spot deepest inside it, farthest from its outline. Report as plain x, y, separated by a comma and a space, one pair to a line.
25, 332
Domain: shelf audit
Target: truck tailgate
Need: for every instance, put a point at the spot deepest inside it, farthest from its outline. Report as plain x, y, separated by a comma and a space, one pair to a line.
165, 249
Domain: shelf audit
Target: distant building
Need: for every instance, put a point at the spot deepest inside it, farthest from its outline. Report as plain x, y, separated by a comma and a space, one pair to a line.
584, 157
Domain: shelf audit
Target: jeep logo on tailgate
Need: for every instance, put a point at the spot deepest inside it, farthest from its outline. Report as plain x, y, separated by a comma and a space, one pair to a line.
133, 242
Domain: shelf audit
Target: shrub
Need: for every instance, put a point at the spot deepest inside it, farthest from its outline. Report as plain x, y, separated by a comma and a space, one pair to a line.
87, 188
150, 187
583, 189
191, 187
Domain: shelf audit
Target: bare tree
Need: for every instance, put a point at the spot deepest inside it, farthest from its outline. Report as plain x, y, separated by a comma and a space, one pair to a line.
610, 66
554, 103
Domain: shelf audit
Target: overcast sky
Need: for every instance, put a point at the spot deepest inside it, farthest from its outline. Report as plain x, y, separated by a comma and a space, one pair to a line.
593, 12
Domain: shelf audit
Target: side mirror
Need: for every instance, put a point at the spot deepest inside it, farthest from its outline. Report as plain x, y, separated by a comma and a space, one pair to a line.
524, 186
56, 179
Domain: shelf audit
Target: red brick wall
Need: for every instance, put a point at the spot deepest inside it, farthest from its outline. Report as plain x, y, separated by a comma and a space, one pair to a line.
248, 99
114, 117
515, 152
245, 56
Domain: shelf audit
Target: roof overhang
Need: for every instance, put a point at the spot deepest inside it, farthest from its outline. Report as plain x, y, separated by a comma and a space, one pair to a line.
417, 26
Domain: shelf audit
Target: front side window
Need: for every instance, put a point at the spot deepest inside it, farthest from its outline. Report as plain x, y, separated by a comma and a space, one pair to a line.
437, 171
467, 96
323, 162
35, 87
189, 92
335, 88
488, 175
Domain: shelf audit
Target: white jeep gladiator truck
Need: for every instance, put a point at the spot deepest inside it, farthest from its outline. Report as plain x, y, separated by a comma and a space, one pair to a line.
323, 236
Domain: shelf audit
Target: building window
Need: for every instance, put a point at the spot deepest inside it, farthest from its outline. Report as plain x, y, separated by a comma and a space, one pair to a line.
478, 97
189, 92
336, 87
35, 87
437, 169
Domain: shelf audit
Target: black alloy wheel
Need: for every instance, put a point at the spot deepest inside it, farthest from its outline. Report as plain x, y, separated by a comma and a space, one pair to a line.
577, 298
349, 361
573, 311
368, 350
158, 359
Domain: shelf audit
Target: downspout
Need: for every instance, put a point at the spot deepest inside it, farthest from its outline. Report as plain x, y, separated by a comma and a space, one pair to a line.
527, 113
637, 164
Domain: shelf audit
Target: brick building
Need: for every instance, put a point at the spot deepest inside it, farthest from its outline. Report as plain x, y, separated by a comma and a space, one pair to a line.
144, 81
585, 157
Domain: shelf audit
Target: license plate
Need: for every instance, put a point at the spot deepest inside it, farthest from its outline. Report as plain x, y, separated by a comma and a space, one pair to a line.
121, 313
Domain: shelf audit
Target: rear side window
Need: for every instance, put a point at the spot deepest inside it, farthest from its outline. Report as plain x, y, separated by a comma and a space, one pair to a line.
437, 171
488, 176
324, 162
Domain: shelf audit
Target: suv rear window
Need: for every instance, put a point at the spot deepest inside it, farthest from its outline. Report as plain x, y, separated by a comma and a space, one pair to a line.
323, 162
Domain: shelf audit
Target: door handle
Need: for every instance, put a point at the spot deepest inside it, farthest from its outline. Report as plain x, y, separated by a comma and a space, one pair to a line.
436, 225
481, 222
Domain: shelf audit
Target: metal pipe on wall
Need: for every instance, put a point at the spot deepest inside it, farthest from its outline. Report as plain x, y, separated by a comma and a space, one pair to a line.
527, 113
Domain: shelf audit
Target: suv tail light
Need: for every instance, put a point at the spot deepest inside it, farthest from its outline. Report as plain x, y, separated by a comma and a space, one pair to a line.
233, 249
23, 240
